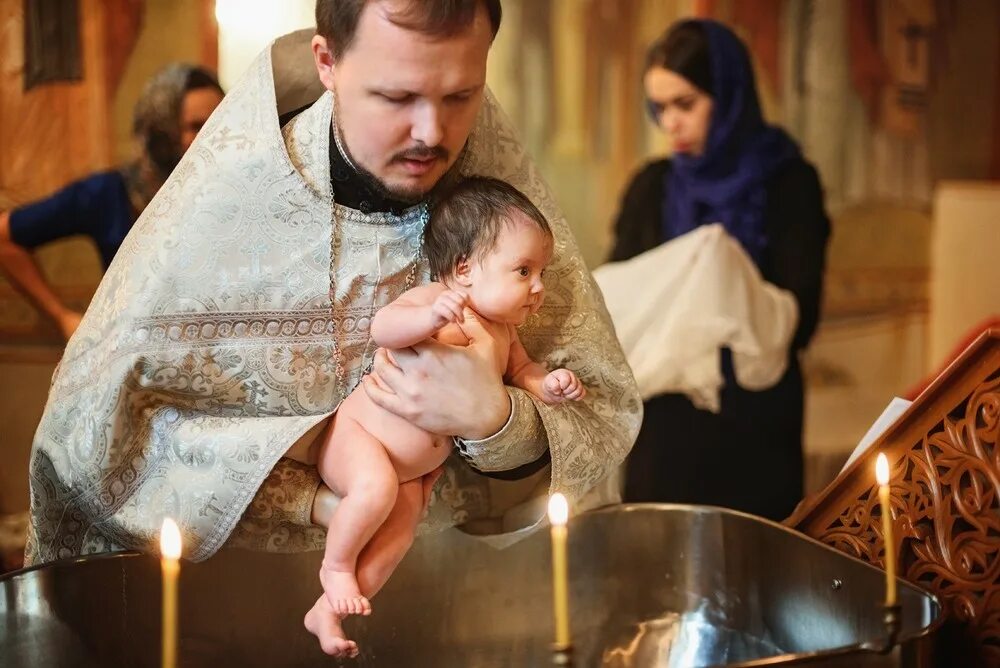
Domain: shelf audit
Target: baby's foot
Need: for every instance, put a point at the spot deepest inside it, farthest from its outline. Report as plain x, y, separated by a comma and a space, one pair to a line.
324, 623
342, 592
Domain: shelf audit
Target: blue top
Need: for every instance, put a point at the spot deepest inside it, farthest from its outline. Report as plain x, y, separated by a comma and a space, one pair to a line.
97, 206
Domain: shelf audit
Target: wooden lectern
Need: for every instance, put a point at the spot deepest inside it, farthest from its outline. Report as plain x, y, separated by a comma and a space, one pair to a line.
945, 460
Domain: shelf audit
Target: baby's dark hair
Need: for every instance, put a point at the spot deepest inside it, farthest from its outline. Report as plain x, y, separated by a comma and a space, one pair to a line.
467, 221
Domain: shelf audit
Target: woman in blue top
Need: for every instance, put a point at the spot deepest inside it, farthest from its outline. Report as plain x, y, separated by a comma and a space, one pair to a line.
174, 105
727, 166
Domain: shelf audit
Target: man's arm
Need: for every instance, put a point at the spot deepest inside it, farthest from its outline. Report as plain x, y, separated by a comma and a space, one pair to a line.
517, 450
456, 390
23, 271
446, 389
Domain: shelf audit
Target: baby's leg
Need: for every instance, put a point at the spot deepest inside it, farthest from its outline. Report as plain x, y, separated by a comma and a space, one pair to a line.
356, 466
392, 540
375, 564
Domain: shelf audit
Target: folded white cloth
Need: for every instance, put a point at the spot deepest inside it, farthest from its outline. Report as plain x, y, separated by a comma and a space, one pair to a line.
676, 305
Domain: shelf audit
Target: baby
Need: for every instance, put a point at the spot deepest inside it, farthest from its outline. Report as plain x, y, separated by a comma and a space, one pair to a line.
488, 246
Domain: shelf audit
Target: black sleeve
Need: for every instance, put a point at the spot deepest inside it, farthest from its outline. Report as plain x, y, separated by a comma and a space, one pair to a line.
635, 224
799, 232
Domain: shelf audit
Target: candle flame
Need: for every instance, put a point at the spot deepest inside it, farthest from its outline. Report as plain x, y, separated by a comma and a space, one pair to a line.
882, 469
170, 540
558, 509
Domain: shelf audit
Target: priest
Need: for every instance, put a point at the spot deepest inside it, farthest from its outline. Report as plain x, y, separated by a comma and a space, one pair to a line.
236, 316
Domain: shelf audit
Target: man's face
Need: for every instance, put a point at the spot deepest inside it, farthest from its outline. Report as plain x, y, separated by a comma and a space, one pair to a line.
406, 102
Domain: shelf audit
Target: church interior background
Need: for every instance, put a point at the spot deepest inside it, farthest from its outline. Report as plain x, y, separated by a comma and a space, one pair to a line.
912, 182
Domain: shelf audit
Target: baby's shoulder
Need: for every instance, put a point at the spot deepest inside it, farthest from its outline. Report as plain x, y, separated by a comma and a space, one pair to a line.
423, 294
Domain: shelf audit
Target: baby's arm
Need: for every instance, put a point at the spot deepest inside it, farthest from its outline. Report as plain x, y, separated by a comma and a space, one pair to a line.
527, 374
416, 315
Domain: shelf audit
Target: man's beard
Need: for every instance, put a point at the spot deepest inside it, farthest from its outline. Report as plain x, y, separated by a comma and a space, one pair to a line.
403, 195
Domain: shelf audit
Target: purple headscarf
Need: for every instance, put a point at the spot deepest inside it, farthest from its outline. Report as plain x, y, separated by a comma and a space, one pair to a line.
728, 182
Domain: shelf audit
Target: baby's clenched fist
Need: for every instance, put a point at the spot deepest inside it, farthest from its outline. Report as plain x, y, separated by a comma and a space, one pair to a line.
562, 384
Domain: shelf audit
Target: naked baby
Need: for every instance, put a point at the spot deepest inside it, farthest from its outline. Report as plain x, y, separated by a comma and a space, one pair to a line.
488, 247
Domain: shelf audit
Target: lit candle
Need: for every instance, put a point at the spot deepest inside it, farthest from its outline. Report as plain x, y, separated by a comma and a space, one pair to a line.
170, 551
882, 475
558, 514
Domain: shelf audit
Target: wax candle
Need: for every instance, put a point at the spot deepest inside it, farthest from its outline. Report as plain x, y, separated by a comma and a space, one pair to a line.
558, 515
170, 553
882, 475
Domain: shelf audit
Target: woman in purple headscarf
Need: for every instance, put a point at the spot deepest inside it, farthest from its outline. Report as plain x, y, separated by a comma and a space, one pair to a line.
727, 166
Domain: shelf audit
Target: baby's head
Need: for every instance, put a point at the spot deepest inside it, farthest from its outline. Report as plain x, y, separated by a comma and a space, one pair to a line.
487, 240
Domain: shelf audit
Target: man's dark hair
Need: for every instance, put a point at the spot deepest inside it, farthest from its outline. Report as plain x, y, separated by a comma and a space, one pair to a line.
467, 221
683, 49
337, 20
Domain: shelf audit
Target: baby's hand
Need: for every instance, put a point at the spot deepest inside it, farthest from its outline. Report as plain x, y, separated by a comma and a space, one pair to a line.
562, 384
448, 308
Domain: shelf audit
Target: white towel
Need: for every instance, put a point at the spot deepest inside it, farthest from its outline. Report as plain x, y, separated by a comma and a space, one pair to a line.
676, 305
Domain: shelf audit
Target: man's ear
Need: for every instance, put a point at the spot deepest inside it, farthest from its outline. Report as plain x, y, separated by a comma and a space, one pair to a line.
325, 63
463, 272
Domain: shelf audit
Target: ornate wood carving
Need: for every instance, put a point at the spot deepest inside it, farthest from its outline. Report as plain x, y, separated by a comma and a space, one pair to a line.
945, 498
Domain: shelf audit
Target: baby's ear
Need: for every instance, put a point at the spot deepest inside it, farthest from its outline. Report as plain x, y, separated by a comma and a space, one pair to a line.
463, 272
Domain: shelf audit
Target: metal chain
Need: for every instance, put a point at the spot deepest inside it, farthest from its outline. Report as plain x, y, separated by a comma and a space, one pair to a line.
339, 373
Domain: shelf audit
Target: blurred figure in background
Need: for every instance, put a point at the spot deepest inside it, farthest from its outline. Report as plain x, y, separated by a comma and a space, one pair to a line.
174, 105
728, 167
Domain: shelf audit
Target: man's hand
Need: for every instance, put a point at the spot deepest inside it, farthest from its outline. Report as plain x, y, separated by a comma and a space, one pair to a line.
443, 389
447, 308
562, 384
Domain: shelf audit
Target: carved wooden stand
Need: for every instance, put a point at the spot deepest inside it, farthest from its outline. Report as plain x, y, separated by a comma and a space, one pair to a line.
945, 460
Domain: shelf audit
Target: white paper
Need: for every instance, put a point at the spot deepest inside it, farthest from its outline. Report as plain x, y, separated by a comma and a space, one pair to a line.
888, 417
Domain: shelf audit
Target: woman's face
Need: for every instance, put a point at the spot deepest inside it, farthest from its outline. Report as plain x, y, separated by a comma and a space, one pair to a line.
197, 106
683, 110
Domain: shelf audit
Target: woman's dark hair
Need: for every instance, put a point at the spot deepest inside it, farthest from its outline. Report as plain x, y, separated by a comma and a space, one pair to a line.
467, 221
683, 49
199, 77
157, 114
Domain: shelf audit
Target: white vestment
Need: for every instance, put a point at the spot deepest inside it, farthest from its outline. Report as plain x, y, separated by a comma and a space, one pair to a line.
209, 346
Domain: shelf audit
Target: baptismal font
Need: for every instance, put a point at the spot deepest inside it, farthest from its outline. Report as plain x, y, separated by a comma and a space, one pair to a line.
645, 585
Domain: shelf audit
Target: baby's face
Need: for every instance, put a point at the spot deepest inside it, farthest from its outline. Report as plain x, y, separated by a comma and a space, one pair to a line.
506, 282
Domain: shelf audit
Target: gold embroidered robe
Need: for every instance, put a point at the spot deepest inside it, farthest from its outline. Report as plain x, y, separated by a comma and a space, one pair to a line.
209, 347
